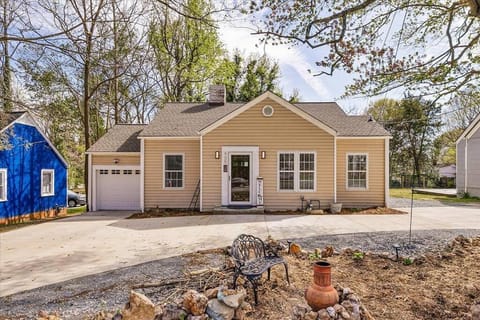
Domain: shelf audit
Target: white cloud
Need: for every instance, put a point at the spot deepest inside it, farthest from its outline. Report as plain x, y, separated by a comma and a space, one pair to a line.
310, 87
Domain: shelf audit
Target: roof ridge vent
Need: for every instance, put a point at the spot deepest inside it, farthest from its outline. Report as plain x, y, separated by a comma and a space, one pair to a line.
217, 95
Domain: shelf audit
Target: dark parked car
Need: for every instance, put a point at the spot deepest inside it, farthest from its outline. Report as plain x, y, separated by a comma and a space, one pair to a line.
75, 199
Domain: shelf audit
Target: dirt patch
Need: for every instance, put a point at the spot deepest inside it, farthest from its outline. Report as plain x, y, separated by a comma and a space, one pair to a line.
442, 285
374, 210
438, 285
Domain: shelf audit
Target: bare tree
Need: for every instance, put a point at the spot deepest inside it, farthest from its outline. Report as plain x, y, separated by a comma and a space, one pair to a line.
383, 43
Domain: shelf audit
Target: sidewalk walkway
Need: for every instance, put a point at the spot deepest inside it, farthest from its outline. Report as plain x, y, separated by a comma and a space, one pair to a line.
440, 192
51, 252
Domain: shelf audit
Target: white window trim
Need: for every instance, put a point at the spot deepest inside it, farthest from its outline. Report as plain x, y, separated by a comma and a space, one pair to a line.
346, 172
4, 175
52, 182
183, 170
296, 172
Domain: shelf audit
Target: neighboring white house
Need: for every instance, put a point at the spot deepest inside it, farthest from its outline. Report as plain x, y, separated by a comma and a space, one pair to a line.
447, 171
468, 160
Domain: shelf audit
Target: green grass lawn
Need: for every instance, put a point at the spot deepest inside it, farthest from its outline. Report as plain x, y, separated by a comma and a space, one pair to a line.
76, 210
407, 193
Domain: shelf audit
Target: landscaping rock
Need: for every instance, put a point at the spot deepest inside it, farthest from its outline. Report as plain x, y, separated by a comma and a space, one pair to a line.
311, 315
243, 311
234, 300
331, 312
172, 312
217, 310
139, 307
299, 311
194, 302
327, 252
295, 249
211, 293
323, 315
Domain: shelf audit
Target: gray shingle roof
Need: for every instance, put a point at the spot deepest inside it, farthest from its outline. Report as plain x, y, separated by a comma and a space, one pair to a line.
120, 138
348, 126
186, 119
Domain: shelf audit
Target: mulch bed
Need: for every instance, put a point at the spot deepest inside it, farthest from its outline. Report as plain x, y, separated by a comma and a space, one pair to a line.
182, 213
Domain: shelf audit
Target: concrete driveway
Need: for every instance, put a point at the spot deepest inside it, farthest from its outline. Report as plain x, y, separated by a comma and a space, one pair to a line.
51, 252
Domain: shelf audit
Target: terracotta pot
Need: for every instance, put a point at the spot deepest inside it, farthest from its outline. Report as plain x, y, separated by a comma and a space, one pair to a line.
321, 294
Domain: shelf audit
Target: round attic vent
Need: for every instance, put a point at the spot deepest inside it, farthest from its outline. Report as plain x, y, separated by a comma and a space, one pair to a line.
267, 111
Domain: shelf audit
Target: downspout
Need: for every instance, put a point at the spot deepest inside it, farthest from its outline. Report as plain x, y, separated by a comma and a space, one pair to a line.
387, 172
335, 169
201, 173
142, 174
89, 183
465, 187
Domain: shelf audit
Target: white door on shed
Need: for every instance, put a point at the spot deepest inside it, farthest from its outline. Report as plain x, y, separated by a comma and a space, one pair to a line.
118, 189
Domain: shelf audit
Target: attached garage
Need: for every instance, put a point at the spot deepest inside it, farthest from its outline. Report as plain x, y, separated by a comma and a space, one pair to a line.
114, 166
117, 189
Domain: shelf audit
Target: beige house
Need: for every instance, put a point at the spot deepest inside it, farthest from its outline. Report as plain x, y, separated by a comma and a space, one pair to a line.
266, 154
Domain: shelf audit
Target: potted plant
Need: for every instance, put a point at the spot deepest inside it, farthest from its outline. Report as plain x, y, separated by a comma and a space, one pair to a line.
335, 207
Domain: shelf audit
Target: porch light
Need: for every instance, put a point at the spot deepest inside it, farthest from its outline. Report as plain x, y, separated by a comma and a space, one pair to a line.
263, 155
217, 154
116, 161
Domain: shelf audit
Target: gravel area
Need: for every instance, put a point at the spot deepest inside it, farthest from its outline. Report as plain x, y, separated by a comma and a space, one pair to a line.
405, 203
76, 298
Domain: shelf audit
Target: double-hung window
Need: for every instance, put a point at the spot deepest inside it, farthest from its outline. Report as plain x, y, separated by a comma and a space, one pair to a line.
357, 171
173, 171
296, 171
3, 184
48, 182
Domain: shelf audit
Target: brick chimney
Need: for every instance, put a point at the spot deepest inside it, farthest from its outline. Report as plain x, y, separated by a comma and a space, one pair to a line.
217, 95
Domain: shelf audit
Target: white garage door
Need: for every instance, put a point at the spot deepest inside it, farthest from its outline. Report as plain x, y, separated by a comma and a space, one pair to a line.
118, 189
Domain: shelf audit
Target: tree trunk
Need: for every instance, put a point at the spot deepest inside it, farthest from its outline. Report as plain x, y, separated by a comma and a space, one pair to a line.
86, 107
6, 72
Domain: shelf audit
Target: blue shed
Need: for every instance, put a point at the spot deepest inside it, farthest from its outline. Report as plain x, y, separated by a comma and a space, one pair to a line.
33, 174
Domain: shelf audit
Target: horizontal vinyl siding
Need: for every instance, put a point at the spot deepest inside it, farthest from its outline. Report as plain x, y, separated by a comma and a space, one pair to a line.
473, 165
375, 194
284, 131
460, 176
155, 194
133, 160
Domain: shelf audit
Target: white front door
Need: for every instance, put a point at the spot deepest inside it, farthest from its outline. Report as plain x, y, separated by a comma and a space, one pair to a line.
239, 173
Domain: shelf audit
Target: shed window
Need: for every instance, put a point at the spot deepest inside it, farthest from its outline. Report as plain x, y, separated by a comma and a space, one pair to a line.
173, 171
296, 171
48, 182
3, 184
357, 168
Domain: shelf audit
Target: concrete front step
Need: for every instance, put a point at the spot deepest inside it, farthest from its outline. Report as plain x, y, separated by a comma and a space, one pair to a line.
239, 210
